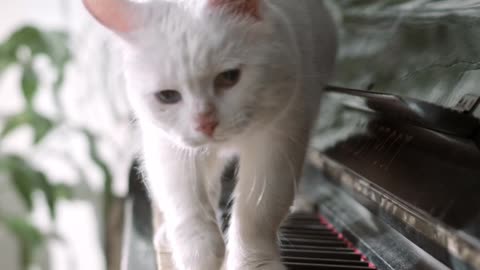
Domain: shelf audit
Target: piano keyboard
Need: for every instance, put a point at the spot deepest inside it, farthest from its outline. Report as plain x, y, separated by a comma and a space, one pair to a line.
309, 242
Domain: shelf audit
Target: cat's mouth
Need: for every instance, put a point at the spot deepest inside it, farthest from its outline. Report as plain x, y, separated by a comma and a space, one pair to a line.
202, 142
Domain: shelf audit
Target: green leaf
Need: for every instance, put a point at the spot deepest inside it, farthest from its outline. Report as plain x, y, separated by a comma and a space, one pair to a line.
49, 192
6, 59
29, 83
24, 230
57, 86
28, 236
53, 44
63, 191
57, 48
13, 122
24, 183
102, 165
60, 55
22, 177
41, 126
29, 37
107, 177
26, 179
53, 193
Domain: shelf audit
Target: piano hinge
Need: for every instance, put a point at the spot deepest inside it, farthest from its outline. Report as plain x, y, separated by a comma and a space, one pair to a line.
469, 103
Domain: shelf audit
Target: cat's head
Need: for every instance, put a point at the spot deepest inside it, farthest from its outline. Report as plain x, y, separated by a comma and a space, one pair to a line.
202, 71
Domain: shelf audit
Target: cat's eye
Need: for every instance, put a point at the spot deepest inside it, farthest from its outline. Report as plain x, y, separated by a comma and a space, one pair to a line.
168, 96
227, 79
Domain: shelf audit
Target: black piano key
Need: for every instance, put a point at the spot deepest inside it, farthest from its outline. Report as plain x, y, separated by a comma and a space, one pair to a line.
307, 232
341, 255
303, 223
321, 243
297, 235
307, 228
313, 227
307, 247
312, 220
301, 215
303, 220
305, 266
306, 217
332, 249
325, 261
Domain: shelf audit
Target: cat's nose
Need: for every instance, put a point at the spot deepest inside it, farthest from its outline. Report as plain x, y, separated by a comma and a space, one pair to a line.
208, 127
207, 122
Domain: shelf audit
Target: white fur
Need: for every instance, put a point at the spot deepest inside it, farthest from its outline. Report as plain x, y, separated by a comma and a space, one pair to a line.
286, 58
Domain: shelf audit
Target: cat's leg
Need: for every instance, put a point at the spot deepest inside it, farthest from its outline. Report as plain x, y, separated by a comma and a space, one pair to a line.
213, 178
162, 245
176, 181
270, 165
302, 204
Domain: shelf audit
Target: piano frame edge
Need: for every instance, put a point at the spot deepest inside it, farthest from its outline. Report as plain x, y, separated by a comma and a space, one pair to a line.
384, 246
436, 238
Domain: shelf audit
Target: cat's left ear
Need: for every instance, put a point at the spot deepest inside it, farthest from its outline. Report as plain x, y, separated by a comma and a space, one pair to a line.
242, 7
120, 16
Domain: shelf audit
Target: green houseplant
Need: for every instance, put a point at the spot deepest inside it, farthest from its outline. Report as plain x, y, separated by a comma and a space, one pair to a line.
20, 51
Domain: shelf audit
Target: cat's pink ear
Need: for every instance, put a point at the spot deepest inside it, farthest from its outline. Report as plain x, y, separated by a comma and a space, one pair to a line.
243, 7
120, 16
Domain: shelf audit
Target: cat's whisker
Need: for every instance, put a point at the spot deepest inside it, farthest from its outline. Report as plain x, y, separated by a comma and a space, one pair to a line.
316, 75
206, 209
252, 189
195, 179
288, 137
260, 197
292, 171
237, 122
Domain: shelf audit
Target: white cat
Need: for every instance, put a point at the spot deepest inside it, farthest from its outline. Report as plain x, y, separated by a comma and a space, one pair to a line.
209, 79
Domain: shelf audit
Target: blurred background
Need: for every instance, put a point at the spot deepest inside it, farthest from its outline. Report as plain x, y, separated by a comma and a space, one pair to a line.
66, 144
66, 141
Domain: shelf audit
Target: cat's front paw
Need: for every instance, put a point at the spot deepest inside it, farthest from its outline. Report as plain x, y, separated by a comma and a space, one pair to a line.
254, 264
204, 251
272, 266
253, 261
